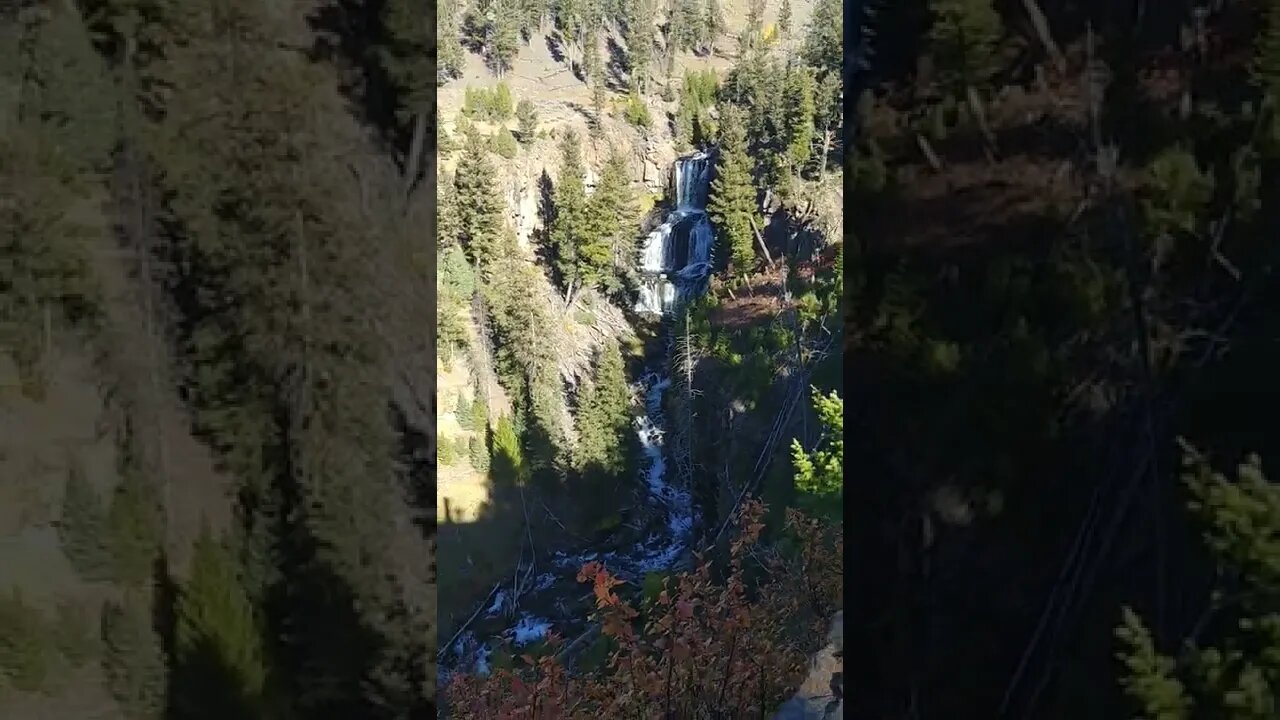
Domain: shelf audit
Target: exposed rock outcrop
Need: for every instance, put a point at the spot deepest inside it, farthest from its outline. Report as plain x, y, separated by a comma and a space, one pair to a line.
821, 696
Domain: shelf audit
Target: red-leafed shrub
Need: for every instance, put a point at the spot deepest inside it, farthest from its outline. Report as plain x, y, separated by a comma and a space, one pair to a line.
705, 648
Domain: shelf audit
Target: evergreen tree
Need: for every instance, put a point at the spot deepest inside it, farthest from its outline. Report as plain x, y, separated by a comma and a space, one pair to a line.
820, 472
133, 659
462, 411
686, 28
507, 456
479, 207
598, 91
531, 14
569, 21
290, 371
732, 205
219, 660
824, 41
479, 412
611, 210
478, 454
82, 527
25, 651
1236, 675
784, 18
829, 116
604, 418
408, 56
450, 58
44, 271
528, 121
448, 225
66, 87
504, 42
134, 528
713, 22
455, 286
964, 38
639, 39
569, 226
798, 120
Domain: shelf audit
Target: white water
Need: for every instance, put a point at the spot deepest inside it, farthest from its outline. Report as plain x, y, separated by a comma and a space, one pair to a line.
661, 262
668, 280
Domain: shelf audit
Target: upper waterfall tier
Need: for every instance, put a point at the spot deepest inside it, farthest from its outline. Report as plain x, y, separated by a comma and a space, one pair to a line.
692, 181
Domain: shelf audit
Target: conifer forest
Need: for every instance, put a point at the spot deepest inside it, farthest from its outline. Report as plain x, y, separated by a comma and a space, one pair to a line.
233, 233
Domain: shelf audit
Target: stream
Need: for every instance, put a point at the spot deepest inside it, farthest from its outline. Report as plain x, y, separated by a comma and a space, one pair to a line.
675, 265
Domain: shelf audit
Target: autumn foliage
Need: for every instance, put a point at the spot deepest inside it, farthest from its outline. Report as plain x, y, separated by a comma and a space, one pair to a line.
734, 647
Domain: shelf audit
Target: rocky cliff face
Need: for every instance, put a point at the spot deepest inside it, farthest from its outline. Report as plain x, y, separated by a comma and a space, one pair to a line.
821, 696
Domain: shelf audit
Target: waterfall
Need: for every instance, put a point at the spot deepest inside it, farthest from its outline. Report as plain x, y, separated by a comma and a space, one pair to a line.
675, 264
684, 240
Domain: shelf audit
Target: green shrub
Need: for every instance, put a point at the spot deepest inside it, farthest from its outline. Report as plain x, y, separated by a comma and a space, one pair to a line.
636, 112
504, 144
496, 105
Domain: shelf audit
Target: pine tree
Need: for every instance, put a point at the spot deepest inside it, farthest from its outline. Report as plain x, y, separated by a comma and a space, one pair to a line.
1237, 674
569, 21
507, 456
133, 659
462, 412
964, 37
504, 42
82, 527
408, 57
218, 653
598, 91
820, 472
604, 418
639, 39
479, 412
686, 28
479, 209
713, 22
45, 281
450, 59
798, 120
531, 14
732, 205
569, 227
134, 528
528, 121
784, 18
610, 211
25, 652
448, 225
824, 40
478, 454
66, 86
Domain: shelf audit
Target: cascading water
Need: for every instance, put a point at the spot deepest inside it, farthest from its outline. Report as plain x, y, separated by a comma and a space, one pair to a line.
676, 264
678, 252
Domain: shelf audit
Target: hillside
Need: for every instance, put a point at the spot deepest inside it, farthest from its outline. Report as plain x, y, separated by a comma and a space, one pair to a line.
565, 158
211, 504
